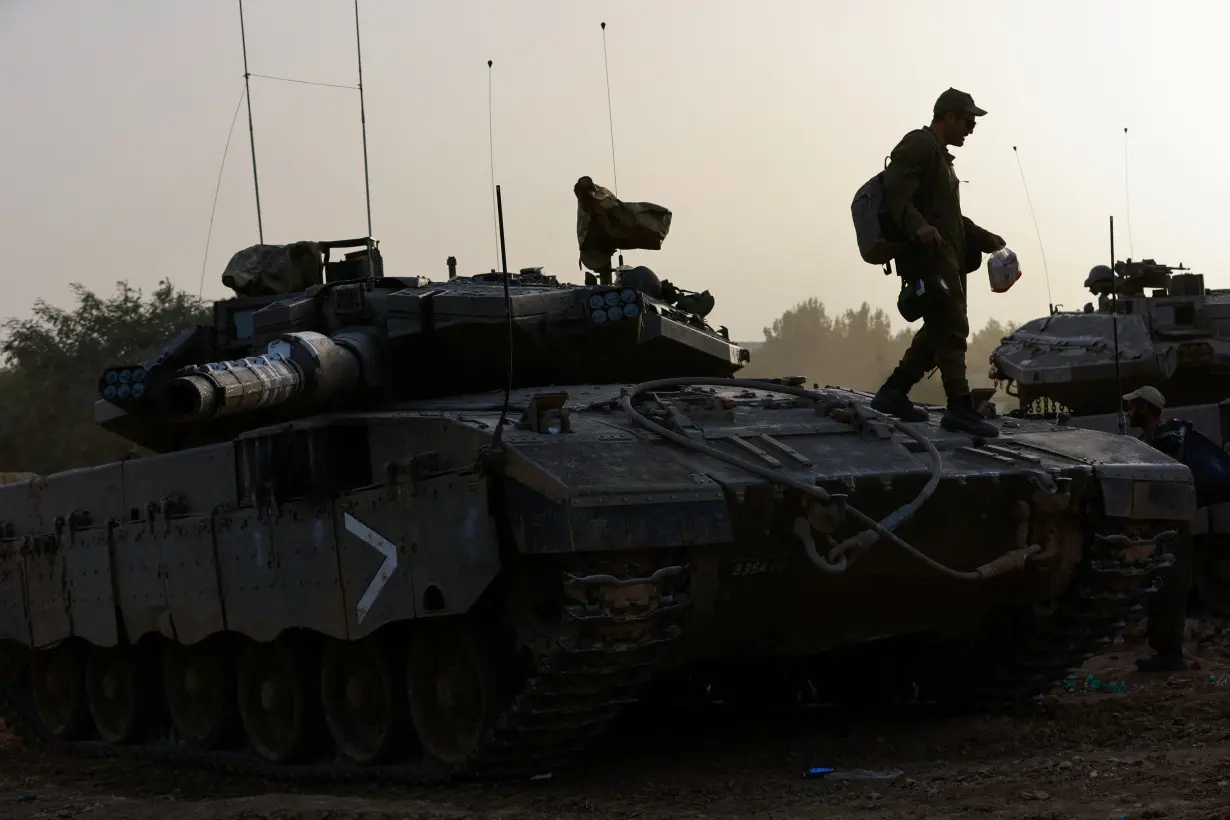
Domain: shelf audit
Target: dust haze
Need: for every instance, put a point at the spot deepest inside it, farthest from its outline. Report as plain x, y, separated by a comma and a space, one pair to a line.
859, 348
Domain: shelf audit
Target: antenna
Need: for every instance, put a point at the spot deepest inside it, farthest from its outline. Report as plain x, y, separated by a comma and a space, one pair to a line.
1114, 318
247, 91
200, 290
1127, 198
498, 437
367, 189
495, 209
1045, 269
610, 113
499, 209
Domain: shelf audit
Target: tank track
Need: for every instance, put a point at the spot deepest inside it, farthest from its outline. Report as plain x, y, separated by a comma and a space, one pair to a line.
601, 654
1115, 577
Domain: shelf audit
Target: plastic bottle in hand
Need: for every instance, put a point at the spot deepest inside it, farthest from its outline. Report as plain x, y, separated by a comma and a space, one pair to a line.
1003, 270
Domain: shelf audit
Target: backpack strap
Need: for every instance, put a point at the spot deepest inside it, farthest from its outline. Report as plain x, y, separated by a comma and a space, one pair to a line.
888, 266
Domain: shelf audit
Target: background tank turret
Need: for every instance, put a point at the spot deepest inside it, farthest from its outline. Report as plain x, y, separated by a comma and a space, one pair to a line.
1174, 333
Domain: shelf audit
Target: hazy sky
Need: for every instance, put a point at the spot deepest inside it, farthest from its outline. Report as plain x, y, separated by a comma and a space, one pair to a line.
753, 122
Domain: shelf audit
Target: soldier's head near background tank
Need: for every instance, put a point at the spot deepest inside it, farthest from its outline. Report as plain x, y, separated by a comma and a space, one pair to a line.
954, 116
1144, 406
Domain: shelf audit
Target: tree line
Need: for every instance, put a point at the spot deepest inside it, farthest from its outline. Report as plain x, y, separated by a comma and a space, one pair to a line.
858, 349
50, 363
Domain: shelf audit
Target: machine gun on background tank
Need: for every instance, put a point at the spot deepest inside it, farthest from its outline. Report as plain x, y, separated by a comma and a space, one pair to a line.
1130, 278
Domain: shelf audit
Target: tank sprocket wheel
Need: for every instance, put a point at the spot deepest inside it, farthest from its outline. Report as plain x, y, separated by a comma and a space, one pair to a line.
119, 700
59, 689
199, 682
364, 702
453, 689
278, 700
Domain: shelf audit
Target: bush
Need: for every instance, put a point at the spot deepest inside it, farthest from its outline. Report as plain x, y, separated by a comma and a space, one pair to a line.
52, 362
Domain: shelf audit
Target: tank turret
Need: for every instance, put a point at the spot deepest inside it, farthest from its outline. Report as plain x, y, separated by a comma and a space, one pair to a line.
306, 334
1173, 333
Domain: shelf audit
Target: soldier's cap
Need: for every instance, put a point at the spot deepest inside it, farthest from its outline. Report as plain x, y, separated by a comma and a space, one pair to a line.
1149, 395
954, 100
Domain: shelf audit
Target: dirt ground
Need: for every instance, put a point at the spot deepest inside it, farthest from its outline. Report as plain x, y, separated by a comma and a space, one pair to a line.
1158, 749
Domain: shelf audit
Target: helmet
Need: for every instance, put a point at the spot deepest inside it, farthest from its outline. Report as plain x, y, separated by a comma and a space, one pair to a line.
1100, 280
643, 279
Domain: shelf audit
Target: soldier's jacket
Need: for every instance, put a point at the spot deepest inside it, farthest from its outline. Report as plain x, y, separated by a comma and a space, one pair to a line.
921, 188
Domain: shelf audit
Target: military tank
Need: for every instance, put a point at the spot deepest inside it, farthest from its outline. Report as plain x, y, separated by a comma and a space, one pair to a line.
410, 530
1173, 334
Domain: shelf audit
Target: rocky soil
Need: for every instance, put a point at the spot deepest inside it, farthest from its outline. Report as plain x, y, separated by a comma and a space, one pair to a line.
1160, 748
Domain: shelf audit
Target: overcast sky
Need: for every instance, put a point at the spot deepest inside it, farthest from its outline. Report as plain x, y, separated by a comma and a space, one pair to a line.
753, 122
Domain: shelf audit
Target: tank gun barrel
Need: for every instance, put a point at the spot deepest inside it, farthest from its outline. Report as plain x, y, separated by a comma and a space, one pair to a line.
305, 366
228, 388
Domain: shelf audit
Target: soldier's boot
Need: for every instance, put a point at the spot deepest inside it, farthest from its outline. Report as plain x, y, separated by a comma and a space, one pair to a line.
961, 417
1171, 661
893, 399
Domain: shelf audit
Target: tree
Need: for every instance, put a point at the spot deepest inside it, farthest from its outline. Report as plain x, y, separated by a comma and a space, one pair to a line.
857, 349
52, 362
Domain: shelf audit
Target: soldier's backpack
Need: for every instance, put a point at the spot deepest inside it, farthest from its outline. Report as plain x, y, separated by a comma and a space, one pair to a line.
879, 238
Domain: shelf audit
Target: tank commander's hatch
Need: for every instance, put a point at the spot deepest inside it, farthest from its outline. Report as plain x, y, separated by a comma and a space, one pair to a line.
355, 264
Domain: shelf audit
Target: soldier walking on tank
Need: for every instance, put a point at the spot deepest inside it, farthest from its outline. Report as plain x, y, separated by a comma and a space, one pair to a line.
922, 194
1167, 608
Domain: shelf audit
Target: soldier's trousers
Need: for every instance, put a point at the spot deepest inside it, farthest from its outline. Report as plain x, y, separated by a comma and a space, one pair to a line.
1167, 608
941, 341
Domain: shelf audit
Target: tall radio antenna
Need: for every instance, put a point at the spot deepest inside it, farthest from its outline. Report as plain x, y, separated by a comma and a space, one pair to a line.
367, 188
1127, 196
1114, 319
609, 110
247, 92
1045, 270
610, 113
495, 209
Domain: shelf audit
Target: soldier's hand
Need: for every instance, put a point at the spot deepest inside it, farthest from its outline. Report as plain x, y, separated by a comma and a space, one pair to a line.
997, 242
929, 234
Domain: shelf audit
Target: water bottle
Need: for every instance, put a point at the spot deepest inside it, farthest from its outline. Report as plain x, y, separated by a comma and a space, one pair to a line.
1003, 270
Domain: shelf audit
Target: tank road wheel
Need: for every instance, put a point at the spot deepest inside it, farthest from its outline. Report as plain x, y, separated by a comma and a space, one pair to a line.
199, 682
59, 691
362, 695
277, 700
118, 693
453, 689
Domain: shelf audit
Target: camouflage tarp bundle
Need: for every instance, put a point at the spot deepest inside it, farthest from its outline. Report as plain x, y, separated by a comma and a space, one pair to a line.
606, 225
263, 270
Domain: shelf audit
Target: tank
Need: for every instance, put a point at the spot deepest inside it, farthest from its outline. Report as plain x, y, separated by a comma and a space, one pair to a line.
419, 531
1173, 334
